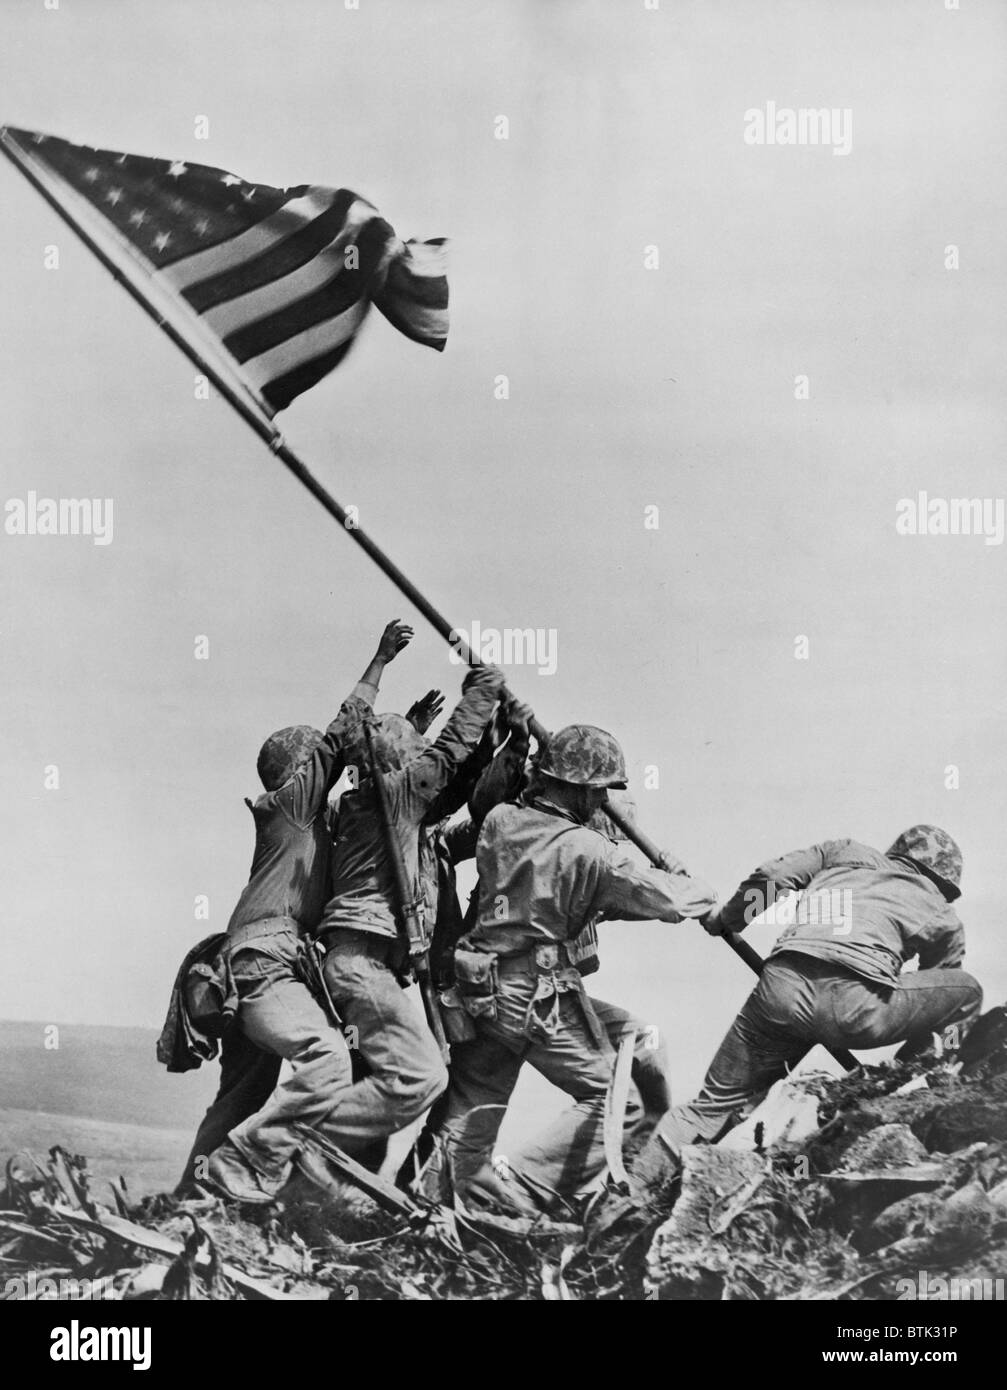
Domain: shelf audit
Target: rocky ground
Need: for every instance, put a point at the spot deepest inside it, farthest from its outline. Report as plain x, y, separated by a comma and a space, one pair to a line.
889, 1179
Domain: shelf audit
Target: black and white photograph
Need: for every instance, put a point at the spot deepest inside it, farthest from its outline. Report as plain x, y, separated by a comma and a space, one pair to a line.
505, 668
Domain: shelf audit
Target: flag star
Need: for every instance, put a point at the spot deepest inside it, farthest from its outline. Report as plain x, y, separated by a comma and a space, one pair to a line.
120, 159
230, 179
161, 240
201, 227
248, 194
177, 169
177, 205
138, 218
91, 175
113, 196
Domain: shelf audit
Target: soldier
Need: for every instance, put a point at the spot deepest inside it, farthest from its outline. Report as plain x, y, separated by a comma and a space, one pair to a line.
833, 977
545, 880
247, 1128
367, 962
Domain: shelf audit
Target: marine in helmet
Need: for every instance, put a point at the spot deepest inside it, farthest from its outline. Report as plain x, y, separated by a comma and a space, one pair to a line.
244, 1145
366, 962
835, 975
546, 879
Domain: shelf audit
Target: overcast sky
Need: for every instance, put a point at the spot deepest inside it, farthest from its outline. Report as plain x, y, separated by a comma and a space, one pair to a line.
630, 387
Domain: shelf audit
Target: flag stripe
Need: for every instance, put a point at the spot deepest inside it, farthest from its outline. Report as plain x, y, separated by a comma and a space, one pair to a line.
424, 326
318, 273
402, 285
283, 389
253, 242
426, 259
264, 276
284, 256
304, 347
332, 299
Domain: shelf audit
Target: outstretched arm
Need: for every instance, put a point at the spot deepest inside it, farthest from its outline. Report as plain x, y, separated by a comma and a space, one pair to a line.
788, 874
426, 776
310, 786
395, 636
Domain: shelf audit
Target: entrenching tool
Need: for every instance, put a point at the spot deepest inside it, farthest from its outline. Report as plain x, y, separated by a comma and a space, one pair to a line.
615, 1112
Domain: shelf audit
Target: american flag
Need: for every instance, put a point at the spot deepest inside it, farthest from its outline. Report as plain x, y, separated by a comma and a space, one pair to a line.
281, 277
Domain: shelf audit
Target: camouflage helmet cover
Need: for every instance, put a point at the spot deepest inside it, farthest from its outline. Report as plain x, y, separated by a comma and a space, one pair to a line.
934, 849
584, 756
284, 752
395, 742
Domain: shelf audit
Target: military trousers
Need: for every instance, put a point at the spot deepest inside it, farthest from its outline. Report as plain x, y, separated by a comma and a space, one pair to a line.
800, 1001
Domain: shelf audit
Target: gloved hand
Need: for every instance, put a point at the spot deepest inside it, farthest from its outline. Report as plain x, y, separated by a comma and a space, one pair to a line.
671, 864
712, 922
519, 716
485, 677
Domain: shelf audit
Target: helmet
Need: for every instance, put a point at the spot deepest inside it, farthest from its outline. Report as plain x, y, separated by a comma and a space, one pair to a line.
284, 752
584, 756
395, 741
933, 849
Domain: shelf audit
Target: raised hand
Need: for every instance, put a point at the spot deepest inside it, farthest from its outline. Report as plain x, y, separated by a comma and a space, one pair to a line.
395, 636
423, 713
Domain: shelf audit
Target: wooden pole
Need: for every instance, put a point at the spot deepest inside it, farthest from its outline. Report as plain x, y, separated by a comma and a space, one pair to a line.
245, 405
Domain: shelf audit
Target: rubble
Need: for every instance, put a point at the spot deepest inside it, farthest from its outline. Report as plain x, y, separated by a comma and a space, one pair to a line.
907, 1172
847, 1186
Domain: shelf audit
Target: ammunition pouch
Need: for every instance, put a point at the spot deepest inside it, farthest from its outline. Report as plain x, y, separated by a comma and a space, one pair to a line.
476, 981
458, 1023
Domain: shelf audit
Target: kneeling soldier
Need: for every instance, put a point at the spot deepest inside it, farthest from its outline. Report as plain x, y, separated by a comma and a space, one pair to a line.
833, 977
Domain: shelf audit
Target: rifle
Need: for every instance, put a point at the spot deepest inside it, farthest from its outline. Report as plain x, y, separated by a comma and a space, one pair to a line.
408, 908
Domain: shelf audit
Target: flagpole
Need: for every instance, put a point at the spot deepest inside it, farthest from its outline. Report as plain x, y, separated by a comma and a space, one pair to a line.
252, 416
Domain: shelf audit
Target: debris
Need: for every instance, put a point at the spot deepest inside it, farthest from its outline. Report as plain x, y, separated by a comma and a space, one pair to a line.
888, 1146
904, 1169
788, 1115
984, 1051
918, 1083
688, 1258
554, 1286
195, 1273
967, 1120
145, 1282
